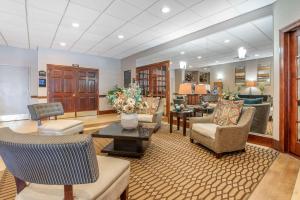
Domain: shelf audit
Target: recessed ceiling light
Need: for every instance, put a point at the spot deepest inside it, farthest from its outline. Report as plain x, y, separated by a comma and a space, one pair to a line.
199, 57
63, 44
226, 41
256, 55
120, 36
165, 9
75, 25
182, 52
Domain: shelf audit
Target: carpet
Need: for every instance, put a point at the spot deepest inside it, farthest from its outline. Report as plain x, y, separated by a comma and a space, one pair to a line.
173, 168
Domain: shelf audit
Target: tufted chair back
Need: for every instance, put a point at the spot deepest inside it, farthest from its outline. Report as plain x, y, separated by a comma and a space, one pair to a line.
44, 110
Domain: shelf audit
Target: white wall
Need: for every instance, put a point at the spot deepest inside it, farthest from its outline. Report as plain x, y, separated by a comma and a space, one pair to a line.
285, 12
17, 57
110, 72
228, 73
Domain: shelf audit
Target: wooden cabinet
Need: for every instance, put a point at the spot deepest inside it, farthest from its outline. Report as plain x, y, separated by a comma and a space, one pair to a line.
154, 81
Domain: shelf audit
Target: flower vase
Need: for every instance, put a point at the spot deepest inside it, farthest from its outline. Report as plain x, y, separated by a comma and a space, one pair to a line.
129, 121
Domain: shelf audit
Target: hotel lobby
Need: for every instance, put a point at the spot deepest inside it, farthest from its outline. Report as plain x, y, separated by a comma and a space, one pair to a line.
149, 99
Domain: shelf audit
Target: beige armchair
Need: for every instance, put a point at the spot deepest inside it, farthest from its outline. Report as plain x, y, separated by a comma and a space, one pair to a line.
153, 119
222, 139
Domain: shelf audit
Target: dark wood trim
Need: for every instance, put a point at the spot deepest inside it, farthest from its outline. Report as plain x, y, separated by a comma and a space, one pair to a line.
68, 192
102, 95
38, 97
284, 110
103, 112
153, 65
261, 140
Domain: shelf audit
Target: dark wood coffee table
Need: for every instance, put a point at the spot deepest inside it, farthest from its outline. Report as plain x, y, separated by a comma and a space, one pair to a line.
131, 143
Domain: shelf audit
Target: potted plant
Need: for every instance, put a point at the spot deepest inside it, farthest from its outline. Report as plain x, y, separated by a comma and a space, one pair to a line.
228, 95
262, 88
127, 102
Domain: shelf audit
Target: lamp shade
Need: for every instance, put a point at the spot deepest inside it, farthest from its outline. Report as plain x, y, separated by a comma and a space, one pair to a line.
185, 88
250, 83
200, 89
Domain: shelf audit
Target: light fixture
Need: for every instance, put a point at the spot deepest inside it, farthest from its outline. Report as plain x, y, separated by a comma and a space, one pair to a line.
182, 65
75, 25
200, 89
185, 88
226, 41
250, 84
256, 55
165, 9
220, 77
120, 36
205, 68
242, 53
199, 57
182, 52
63, 44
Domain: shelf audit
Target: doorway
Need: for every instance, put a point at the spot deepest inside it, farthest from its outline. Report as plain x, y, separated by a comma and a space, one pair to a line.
290, 90
76, 88
154, 80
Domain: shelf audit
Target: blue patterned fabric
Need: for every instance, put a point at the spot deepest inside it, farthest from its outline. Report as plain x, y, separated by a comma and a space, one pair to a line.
53, 160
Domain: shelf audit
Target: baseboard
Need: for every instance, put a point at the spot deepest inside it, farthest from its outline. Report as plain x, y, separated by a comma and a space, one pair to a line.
261, 140
103, 112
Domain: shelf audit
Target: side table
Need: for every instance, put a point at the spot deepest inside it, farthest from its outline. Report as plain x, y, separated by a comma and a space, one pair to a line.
180, 114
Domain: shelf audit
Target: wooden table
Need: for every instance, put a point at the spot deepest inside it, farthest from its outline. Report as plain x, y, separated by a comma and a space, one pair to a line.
180, 114
132, 143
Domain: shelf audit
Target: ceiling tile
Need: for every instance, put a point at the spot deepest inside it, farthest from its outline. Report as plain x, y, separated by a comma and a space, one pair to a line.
265, 25
173, 5
78, 12
97, 5
108, 21
210, 7
38, 15
189, 2
12, 7
184, 18
130, 28
250, 5
56, 6
224, 15
146, 17
123, 10
141, 4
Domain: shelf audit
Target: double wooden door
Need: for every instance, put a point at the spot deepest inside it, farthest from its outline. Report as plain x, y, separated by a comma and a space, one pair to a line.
75, 88
154, 81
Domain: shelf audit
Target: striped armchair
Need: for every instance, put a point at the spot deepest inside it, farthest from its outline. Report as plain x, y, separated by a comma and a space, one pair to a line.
53, 164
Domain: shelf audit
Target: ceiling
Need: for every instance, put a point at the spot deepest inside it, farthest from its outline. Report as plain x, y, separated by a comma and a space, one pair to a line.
220, 48
47, 23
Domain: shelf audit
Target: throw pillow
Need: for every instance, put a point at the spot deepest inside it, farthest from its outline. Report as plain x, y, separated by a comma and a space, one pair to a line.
153, 103
228, 112
253, 101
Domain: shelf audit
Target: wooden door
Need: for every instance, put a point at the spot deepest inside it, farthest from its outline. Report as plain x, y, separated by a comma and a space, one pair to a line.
75, 88
294, 55
154, 81
62, 86
87, 93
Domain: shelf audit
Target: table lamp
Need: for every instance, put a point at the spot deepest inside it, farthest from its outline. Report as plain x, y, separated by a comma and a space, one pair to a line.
250, 84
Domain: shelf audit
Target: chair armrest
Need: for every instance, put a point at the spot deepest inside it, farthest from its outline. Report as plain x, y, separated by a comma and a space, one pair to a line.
157, 116
206, 119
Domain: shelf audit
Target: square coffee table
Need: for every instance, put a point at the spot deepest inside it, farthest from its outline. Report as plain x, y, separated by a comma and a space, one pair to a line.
131, 143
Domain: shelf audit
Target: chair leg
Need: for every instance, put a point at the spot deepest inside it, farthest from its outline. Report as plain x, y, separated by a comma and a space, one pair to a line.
124, 195
68, 192
219, 155
191, 140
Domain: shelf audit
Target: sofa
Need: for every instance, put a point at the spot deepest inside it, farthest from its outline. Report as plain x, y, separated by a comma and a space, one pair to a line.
221, 139
153, 116
61, 167
42, 112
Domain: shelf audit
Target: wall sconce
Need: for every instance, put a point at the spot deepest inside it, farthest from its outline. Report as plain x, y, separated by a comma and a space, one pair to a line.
182, 64
220, 77
242, 53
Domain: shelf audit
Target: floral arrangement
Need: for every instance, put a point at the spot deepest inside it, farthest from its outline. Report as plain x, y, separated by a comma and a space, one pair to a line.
127, 100
228, 95
261, 87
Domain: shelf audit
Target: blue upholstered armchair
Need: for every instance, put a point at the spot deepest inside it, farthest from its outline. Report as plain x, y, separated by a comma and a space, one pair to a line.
53, 164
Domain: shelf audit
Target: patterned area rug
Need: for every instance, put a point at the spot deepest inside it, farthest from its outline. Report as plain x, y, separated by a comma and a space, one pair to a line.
173, 168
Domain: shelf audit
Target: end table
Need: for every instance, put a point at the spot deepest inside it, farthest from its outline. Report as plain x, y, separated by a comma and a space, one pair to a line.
184, 114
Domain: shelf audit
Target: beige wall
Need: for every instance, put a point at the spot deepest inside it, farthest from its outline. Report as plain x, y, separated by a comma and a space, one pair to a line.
285, 13
228, 73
